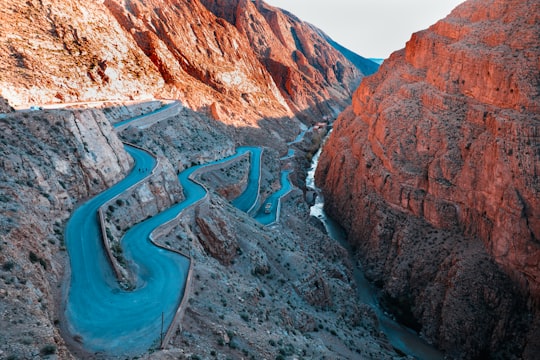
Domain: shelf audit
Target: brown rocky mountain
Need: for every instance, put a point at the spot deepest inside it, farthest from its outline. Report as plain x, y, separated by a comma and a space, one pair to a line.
434, 172
249, 62
299, 57
258, 292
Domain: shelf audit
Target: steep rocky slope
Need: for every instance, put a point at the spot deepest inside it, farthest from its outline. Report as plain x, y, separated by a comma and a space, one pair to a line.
299, 295
258, 291
262, 67
302, 61
50, 160
434, 173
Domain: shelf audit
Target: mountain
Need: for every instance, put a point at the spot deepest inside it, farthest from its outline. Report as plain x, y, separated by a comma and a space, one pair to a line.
243, 63
210, 77
302, 61
433, 171
377, 60
367, 66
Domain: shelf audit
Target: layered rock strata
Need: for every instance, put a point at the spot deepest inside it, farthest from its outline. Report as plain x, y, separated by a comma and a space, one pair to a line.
300, 58
264, 64
439, 154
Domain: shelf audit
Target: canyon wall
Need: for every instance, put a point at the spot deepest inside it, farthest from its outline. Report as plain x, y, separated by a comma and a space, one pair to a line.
262, 64
434, 173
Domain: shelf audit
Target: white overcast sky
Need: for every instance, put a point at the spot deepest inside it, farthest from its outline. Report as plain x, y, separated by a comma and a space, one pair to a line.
371, 28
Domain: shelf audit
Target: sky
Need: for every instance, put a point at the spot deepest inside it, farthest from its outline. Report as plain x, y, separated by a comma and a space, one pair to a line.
371, 28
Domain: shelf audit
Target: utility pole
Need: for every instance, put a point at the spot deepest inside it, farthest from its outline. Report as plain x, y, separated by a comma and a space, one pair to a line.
161, 334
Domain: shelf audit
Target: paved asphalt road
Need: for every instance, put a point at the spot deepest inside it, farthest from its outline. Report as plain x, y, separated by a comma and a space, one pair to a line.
107, 318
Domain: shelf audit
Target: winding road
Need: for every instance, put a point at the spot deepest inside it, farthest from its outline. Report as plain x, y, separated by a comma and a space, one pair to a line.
248, 200
101, 314
269, 217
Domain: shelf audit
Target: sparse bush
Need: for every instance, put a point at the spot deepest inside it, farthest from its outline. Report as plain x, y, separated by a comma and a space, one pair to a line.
8, 266
43, 263
109, 234
33, 257
48, 349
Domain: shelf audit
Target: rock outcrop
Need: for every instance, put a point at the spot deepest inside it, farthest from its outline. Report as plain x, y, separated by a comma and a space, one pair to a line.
4, 106
50, 160
312, 76
256, 62
439, 154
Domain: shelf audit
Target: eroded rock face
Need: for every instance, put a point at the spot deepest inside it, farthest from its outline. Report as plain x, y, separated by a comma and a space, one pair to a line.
240, 71
445, 138
307, 69
50, 160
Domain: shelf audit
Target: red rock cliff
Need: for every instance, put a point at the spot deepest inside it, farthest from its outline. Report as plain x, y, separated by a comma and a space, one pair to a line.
305, 66
240, 72
440, 152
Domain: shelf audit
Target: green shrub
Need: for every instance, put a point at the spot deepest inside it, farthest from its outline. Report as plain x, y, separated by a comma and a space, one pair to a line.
33, 257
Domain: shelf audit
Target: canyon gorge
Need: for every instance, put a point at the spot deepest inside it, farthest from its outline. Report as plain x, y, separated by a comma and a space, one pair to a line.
431, 168
433, 171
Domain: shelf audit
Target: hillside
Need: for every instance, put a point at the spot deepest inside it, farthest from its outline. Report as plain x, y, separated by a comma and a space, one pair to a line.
256, 291
263, 64
433, 171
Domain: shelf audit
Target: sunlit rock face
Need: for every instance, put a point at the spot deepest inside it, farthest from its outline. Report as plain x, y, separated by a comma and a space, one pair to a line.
243, 63
308, 70
438, 153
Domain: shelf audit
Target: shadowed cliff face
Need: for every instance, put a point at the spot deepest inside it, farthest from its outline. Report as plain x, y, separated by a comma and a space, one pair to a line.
254, 63
438, 153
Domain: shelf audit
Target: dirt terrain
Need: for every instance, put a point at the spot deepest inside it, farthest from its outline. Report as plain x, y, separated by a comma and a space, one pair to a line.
283, 290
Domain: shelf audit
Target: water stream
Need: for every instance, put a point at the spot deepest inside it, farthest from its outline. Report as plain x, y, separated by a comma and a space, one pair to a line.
401, 338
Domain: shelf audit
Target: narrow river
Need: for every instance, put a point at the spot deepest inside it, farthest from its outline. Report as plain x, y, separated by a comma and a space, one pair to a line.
401, 338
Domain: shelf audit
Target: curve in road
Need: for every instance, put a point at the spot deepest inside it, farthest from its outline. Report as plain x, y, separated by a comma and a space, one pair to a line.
105, 317
269, 212
249, 198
